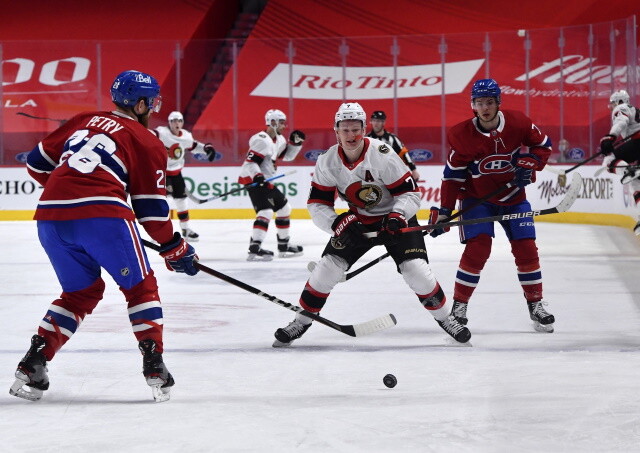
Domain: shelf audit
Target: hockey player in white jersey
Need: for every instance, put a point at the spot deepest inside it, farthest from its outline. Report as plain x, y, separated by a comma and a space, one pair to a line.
177, 141
382, 196
265, 148
621, 146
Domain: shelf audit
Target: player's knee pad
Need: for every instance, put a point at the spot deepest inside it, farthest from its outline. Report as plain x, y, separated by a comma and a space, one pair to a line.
328, 273
285, 211
144, 291
266, 213
476, 253
418, 275
181, 204
525, 253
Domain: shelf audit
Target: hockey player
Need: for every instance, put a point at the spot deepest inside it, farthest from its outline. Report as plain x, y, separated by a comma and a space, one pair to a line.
625, 124
378, 131
260, 164
485, 154
178, 140
89, 167
382, 196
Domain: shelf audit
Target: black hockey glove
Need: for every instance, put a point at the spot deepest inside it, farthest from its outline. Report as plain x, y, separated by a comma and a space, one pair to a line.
259, 181
349, 230
297, 138
211, 151
179, 256
606, 144
437, 215
393, 222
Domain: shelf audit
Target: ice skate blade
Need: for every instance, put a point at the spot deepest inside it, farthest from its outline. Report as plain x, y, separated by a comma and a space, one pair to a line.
32, 394
289, 254
450, 341
191, 239
254, 257
545, 328
280, 344
160, 395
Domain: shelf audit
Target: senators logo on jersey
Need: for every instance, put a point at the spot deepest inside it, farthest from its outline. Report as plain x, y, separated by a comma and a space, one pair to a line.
175, 151
364, 196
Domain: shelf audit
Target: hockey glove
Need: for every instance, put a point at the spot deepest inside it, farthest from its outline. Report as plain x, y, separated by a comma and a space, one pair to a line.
258, 180
211, 151
437, 215
179, 256
525, 165
297, 138
606, 144
393, 222
348, 229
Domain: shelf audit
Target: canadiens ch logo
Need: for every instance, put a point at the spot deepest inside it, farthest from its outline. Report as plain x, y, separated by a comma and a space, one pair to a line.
364, 196
496, 163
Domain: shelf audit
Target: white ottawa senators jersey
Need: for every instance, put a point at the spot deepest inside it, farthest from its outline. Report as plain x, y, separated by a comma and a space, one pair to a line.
262, 155
625, 121
176, 146
373, 186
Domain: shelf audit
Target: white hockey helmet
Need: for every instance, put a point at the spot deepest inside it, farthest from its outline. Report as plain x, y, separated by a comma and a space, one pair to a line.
619, 97
274, 115
175, 116
350, 111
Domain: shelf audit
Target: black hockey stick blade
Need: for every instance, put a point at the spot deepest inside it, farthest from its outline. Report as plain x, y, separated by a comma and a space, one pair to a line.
41, 117
564, 205
353, 330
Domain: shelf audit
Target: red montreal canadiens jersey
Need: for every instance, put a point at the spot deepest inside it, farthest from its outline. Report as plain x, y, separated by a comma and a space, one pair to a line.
92, 164
479, 162
374, 185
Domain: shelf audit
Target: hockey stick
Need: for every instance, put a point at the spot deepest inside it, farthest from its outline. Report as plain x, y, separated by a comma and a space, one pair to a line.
40, 117
601, 170
562, 177
564, 205
312, 264
355, 330
193, 198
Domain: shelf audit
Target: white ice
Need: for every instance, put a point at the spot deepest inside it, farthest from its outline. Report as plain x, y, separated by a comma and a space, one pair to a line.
513, 390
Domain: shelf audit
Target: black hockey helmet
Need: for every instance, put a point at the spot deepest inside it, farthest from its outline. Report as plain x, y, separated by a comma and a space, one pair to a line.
378, 115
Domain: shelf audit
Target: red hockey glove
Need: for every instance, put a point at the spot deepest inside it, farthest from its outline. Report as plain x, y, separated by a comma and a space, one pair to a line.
437, 215
393, 222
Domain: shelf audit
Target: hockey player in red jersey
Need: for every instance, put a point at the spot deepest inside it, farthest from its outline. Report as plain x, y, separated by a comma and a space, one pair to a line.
265, 148
382, 196
485, 153
90, 167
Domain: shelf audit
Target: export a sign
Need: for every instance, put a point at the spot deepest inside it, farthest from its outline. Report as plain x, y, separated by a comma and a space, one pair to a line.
374, 82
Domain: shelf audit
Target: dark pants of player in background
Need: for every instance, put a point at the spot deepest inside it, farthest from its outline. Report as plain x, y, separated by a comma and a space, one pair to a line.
267, 200
176, 188
478, 239
78, 249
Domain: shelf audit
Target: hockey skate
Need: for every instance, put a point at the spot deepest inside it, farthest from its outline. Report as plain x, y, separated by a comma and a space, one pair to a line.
630, 173
286, 335
32, 372
189, 235
459, 311
457, 331
257, 253
285, 250
155, 371
542, 320
636, 229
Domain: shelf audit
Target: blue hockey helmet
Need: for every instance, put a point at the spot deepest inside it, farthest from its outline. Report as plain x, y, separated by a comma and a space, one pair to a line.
485, 88
131, 86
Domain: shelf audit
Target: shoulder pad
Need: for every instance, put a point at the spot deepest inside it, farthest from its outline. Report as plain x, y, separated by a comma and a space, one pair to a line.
384, 149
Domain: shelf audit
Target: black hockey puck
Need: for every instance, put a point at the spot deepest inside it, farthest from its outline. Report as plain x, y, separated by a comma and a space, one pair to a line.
390, 381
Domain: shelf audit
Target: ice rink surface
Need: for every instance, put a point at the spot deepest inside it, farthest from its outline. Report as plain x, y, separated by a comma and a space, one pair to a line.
513, 390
